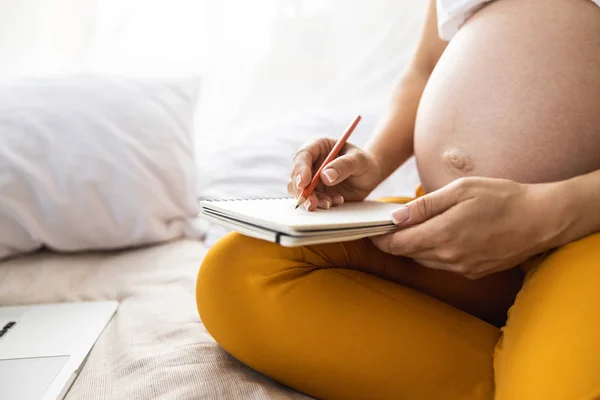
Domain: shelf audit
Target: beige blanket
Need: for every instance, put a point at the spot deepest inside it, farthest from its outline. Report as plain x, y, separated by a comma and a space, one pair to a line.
155, 347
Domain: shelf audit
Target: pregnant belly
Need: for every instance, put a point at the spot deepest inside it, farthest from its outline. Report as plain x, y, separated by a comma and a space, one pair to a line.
515, 95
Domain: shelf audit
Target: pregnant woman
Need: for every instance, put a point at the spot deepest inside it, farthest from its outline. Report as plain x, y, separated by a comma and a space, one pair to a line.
491, 288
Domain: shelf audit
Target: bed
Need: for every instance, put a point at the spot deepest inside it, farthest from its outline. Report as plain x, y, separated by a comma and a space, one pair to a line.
155, 347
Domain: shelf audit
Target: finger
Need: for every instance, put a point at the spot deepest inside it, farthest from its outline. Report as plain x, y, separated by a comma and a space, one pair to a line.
458, 269
312, 202
429, 205
351, 164
384, 243
397, 245
302, 170
324, 201
337, 199
291, 189
432, 264
418, 239
440, 251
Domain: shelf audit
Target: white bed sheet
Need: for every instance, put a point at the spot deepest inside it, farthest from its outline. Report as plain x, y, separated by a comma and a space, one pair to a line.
156, 346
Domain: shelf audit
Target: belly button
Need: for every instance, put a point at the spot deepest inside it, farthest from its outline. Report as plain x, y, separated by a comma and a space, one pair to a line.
458, 160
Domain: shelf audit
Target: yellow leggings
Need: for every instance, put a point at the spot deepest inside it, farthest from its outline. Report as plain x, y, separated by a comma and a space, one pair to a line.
347, 321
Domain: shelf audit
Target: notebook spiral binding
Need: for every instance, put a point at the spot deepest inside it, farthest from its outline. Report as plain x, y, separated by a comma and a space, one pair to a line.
211, 200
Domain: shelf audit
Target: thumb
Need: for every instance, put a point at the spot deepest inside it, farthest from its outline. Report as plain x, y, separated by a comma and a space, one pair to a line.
341, 168
426, 207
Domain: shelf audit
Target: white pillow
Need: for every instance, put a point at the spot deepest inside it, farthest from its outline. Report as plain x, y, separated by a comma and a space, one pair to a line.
95, 162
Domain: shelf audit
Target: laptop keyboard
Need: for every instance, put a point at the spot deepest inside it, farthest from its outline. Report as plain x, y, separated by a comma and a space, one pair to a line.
7, 327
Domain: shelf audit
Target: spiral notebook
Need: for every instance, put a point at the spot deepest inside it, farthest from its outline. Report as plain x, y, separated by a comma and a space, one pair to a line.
277, 221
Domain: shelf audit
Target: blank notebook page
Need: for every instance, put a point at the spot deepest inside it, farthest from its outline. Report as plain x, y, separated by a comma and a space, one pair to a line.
281, 213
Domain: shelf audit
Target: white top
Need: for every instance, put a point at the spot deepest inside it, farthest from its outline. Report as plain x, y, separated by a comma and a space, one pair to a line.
452, 14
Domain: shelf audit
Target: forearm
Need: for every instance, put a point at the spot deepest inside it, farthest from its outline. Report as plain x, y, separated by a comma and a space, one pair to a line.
574, 208
392, 141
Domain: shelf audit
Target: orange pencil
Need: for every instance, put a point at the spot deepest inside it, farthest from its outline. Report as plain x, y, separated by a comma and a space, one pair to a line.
332, 154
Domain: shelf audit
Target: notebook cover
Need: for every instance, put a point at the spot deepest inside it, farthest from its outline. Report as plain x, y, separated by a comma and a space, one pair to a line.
279, 214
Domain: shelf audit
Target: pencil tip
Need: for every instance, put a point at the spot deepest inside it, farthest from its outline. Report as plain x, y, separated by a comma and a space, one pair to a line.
300, 201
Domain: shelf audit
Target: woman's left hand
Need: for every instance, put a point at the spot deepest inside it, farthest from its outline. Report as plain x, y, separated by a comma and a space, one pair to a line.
475, 226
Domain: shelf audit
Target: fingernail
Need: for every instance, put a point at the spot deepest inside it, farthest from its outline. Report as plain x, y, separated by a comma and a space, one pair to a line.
307, 204
331, 175
401, 215
337, 200
324, 204
298, 180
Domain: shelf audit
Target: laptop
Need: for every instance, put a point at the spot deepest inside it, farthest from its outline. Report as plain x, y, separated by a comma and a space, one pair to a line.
44, 347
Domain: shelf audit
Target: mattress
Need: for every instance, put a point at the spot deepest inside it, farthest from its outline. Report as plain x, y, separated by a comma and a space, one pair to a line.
155, 347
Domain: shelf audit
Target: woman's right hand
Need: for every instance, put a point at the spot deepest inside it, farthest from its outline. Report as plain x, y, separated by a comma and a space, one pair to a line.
349, 177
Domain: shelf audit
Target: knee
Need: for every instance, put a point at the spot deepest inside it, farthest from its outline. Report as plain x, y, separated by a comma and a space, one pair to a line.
221, 272
587, 247
220, 260
229, 280
578, 262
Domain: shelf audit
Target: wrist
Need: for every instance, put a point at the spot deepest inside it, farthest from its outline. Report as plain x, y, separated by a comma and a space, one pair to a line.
387, 162
564, 211
582, 197
379, 164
